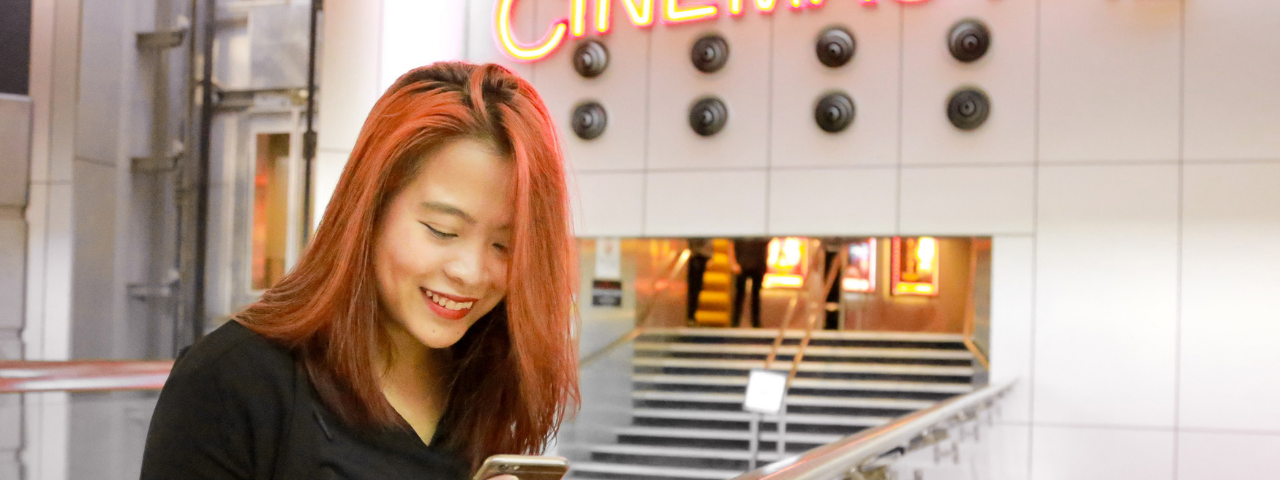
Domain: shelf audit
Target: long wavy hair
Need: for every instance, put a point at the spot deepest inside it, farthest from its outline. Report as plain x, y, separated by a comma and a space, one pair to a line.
514, 373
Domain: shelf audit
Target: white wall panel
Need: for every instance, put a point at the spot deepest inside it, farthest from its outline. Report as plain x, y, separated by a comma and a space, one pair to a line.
327, 170
15, 157
1012, 282
349, 71
100, 114
743, 85
1231, 273
1006, 73
1232, 103
13, 259
705, 203
607, 204
481, 46
1069, 453
1009, 451
870, 78
829, 201
1109, 78
967, 200
621, 89
1213, 456
94, 271
1106, 295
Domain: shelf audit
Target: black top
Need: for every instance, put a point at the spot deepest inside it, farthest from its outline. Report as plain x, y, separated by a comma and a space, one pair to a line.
238, 406
751, 253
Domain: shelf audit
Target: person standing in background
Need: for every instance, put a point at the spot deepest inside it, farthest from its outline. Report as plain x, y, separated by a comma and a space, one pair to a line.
750, 258
700, 251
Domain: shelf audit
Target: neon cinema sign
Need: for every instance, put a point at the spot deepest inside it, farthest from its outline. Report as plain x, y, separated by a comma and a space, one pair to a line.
641, 13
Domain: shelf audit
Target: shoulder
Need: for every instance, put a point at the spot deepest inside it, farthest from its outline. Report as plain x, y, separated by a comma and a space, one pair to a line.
233, 359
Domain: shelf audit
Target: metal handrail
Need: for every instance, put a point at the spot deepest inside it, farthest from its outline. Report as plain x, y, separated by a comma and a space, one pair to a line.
874, 447
634, 333
83, 375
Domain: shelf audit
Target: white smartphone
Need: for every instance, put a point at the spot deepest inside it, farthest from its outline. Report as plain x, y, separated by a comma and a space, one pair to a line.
524, 467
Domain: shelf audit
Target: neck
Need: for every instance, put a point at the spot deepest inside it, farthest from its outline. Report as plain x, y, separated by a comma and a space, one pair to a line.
409, 363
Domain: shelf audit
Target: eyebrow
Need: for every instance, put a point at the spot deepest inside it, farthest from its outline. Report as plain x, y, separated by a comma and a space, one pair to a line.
449, 210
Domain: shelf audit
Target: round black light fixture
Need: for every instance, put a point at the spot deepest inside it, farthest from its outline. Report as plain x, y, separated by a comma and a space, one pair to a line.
968, 40
710, 53
968, 108
708, 116
589, 120
835, 46
834, 112
590, 58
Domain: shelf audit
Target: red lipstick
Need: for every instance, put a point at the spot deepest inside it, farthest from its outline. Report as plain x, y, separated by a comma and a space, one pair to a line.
440, 302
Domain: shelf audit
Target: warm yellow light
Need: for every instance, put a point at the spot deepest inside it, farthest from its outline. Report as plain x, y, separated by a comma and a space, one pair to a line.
735, 7
782, 280
786, 254
641, 12
856, 285
766, 6
926, 250
578, 18
676, 13
529, 53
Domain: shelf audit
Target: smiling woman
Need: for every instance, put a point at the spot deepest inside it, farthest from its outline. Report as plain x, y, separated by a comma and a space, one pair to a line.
410, 341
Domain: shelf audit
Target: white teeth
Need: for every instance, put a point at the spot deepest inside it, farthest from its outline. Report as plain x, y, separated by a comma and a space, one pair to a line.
449, 304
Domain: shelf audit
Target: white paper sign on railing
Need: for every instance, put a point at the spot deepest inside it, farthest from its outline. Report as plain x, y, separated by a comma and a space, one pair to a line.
765, 391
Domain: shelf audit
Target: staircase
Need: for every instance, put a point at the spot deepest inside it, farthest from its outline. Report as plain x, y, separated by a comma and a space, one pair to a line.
688, 385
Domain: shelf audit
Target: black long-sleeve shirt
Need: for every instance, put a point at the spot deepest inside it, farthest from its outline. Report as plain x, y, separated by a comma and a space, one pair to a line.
237, 406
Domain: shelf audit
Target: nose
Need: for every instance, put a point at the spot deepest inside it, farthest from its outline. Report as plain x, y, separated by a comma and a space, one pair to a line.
466, 268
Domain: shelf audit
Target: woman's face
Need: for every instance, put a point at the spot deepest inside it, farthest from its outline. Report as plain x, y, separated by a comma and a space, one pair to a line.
442, 248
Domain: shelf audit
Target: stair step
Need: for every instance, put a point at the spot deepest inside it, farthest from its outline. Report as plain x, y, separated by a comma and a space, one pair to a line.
685, 452
796, 400
652, 471
740, 349
717, 434
814, 383
792, 418
817, 334
830, 367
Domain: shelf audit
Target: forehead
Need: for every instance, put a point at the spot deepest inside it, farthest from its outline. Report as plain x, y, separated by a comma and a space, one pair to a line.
468, 175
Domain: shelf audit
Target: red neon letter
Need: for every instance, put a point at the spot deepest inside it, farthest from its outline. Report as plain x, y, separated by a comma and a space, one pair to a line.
766, 6
526, 53
674, 13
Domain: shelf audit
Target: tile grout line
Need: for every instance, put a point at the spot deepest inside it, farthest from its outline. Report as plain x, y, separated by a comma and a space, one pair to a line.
648, 118
1177, 336
1035, 245
897, 207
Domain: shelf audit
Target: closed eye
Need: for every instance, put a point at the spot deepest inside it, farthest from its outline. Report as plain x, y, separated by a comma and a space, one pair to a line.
501, 248
438, 233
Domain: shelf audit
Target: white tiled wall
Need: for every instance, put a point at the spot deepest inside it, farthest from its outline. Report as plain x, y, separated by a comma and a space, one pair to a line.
607, 204
1006, 73
1109, 78
1067, 453
870, 78
800, 199
1106, 335
1232, 110
1012, 312
1211, 456
721, 203
743, 85
1230, 324
967, 200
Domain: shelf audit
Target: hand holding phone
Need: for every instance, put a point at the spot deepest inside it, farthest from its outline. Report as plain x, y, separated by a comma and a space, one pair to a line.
522, 467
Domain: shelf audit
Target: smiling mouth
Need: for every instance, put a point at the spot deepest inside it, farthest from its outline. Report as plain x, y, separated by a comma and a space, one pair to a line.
447, 306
